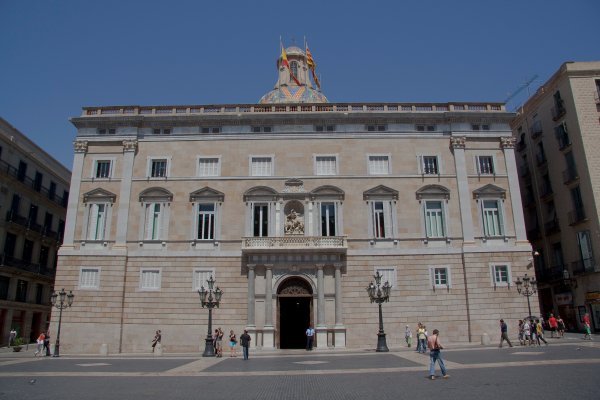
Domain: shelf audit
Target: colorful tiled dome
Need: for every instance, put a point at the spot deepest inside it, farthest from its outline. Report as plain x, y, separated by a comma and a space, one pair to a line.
293, 94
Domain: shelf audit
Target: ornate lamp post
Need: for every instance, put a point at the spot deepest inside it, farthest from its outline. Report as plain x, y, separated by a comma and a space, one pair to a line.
527, 286
210, 299
60, 300
379, 293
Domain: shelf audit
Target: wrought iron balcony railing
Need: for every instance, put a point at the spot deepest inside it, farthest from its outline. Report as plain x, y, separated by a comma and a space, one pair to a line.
294, 242
583, 266
8, 261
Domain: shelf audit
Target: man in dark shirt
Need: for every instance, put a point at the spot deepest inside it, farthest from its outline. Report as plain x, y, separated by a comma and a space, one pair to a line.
245, 342
504, 333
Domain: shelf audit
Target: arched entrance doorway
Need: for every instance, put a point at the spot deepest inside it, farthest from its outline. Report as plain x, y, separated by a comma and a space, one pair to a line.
294, 312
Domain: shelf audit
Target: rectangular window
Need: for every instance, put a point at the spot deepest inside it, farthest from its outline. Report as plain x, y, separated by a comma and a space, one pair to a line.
500, 275
388, 274
325, 128
89, 278
585, 250
492, 218
328, 226
37, 182
52, 190
379, 219
429, 165
97, 222
21, 295
326, 165
27, 251
44, 254
153, 221
485, 165
434, 219
4, 283
376, 128
260, 220
265, 129
261, 166
150, 279
201, 277
158, 168
209, 166
379, 165
425, 128
162, 131
213, 129
206, 222
440, 276
102, 169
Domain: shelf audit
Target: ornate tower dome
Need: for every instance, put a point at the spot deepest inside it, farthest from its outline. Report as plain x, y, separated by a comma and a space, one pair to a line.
293, 84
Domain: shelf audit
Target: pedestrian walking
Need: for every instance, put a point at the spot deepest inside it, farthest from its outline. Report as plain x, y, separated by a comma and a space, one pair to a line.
504, 334
408, 336
521, 333
310, 335
587, 328
47, 344
539, 332
532, 332
219, 342
245, 342
435, 354
232, 343
527, 332
553, 323
40, 344
422, 339
561, 326
156, 340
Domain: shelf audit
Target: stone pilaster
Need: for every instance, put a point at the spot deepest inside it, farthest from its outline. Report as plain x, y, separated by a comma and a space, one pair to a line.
269, 330
80, 148
458, 145
129, 150
508, 147
251, 295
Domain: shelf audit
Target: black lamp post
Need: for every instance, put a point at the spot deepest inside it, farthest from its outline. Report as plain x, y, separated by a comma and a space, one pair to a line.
60, 300
210, 299
379, 293
527, 286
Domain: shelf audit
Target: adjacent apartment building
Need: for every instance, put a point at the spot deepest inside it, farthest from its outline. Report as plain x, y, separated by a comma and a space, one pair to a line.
558, 152
291, 204
34, 189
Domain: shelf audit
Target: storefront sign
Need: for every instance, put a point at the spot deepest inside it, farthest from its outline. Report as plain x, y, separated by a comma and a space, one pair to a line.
563, 299
592, 296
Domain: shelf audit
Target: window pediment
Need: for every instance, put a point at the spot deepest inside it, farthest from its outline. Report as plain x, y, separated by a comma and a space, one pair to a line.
433, 192
327, 191
380, 192
207, 194
489, 191
99, 195
155, 194
261, 193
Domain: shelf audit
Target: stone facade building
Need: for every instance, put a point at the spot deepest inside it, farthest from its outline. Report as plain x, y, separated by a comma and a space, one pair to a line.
558, 155
34, 189
292, 205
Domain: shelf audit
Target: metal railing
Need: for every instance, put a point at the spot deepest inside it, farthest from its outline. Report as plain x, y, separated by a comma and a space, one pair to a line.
570, 175
577, 215
29, 224
583, 266
9, 261
552, 226
294, 242
27, 181
553, 273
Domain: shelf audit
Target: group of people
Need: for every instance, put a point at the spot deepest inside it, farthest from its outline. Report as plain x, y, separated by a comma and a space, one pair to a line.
233, 341
43, 345
422, 336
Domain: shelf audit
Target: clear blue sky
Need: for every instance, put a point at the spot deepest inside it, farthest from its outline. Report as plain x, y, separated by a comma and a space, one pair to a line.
59, 55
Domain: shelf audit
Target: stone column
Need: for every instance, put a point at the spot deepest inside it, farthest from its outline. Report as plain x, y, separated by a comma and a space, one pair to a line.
458, 147
339, 329
251, 295
80, 147
321, 328
129, 149
508, 147
269, 330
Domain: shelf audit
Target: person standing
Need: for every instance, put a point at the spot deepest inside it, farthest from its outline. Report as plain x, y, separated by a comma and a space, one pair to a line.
408, 336
156, 340
553, 323
245, 342
219, 342
561, 327
422, 339
310, 335
527, 332
435, 354
587, 327
40, 344
12, 336
504, 334
232, 343
47, 344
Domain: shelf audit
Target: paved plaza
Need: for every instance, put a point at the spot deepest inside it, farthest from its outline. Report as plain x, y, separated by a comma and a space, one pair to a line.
567, 368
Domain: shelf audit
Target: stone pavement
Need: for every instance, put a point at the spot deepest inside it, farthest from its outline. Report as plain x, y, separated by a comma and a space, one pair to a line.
567, 368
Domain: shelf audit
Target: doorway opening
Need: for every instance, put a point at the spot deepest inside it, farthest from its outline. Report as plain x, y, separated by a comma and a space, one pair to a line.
294, 313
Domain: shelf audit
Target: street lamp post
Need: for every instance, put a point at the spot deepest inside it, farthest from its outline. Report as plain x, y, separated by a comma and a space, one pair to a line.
526, 286
210, 299
379, 293
60, 300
